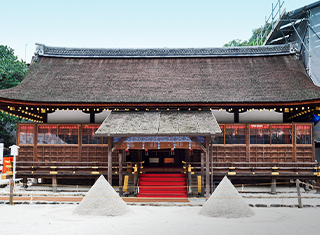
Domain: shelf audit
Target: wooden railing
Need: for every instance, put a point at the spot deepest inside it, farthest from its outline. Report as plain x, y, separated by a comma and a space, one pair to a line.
257, 168
284, 170
27, 168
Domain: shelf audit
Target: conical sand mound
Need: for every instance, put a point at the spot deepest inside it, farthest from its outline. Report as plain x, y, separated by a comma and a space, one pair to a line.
102, 200
226, 202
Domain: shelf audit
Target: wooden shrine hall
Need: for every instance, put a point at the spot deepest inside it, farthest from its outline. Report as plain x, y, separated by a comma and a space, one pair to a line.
166, 122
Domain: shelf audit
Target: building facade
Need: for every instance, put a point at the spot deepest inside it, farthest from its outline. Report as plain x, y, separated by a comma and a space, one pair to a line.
200, 112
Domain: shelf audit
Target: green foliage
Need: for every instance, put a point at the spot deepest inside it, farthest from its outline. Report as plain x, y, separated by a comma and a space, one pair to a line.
257, 37
237, 43
12, 72
8, 124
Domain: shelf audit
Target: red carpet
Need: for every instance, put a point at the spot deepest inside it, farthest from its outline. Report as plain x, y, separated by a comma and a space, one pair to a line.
162, 185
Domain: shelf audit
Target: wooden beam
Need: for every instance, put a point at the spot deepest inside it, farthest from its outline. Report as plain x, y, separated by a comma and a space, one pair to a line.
198, 143
4, 102
118, 144
110, 140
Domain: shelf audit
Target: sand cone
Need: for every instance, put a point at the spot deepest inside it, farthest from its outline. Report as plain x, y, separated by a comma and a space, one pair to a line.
102, 200
226, 202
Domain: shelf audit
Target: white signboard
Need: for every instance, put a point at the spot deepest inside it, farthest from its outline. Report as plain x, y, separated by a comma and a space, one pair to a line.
14, 153
14, 150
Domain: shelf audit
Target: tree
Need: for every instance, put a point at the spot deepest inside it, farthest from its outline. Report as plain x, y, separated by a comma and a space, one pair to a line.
258, 37
12, 72
236, 43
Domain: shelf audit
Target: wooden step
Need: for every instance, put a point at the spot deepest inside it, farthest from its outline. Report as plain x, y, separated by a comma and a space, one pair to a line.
150, 183
162, 175
162, 179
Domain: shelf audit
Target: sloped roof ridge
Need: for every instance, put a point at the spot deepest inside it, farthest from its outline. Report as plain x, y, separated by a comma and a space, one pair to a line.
43, 50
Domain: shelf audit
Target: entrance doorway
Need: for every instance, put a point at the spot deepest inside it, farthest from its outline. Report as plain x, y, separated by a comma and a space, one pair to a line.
164, 158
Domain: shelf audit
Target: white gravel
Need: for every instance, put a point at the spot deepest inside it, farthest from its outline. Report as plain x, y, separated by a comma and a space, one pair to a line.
226, 202
102, 200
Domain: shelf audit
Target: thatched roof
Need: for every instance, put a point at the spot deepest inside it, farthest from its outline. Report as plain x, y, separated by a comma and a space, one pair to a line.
195, 123
237, 75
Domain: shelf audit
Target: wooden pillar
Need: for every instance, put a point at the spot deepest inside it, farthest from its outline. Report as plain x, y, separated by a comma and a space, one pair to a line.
54, 183
187, 155
313, 143
202, 174
273, 185
294, 146
236, 116
92, 116
211, 160
247, 143
35, 141
45, 118
110, 160
207, 168
80, 131
25, 182
120, 174
318, 184
189, 185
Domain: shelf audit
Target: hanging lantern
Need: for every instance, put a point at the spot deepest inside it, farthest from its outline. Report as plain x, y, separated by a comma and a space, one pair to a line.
172, 152
146, 152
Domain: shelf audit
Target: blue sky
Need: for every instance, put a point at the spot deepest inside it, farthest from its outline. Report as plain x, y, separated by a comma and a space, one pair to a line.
130, 23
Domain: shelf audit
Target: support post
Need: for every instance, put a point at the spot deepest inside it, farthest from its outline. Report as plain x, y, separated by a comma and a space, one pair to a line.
236, 116
273, 185
298, 193
189, 178
92, 116
136, 170
211, 159
120, 175
294, 146
25, 182
54, 183
11, 191
110, 160
202, 174
45, 118
207, 168
318, 185
187, 154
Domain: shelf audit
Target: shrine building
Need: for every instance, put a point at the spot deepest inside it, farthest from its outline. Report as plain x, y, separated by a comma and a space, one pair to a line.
166, 122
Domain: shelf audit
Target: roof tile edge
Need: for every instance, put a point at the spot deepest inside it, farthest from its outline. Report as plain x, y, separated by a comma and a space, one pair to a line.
43, 50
